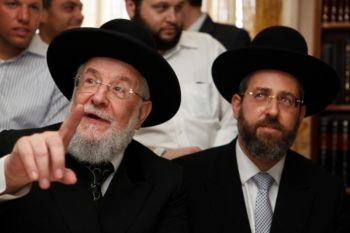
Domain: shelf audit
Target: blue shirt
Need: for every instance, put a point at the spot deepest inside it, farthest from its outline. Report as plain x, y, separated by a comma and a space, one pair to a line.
29, 97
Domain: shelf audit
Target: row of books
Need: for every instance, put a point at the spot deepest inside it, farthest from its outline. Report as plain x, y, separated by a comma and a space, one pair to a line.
337, 54
334, 145
335, 10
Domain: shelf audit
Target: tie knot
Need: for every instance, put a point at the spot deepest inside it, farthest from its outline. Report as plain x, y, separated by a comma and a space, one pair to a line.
100, 172
263, 180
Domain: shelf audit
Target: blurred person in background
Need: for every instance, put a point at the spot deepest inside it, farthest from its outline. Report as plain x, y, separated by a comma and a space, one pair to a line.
59, 15
204, 119
28, 95
196, 20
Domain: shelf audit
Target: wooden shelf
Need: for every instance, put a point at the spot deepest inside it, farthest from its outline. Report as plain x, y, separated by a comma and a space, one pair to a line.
336, 25
330, 41
338, 108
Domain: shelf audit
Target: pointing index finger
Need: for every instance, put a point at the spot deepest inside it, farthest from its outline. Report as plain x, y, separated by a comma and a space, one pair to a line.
70, 124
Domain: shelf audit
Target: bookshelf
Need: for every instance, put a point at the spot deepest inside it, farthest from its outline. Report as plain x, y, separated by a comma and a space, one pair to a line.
331, 128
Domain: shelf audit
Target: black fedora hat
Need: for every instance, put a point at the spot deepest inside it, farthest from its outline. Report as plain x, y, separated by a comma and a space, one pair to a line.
124, 40
281, 48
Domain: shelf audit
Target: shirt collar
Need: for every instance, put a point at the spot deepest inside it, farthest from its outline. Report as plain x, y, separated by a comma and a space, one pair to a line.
247, 169
196, 25
116, 160
37, 46
187, 40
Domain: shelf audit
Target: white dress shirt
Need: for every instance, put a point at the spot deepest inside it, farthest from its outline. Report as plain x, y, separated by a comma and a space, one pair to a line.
247, 170
204, 118
29, 97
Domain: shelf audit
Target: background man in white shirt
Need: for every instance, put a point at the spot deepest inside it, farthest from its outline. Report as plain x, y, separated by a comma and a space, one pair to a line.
204, 118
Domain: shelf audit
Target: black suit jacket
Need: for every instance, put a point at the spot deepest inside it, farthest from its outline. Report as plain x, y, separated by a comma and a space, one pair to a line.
309, 199
230, 36
145, 195
8, 138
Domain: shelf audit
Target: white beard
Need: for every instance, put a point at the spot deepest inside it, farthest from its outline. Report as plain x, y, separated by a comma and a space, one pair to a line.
95, 151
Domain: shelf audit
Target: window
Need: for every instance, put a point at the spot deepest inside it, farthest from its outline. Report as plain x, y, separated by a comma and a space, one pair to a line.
97, 12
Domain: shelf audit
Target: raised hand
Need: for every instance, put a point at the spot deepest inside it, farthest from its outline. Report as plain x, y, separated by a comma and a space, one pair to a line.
41, 157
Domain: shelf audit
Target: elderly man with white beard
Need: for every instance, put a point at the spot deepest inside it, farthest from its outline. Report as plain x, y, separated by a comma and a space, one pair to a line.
50, 177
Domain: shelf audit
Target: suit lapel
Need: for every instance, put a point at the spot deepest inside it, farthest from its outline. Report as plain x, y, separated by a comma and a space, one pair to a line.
127, 193
226, 192
122, 202
208, 25
294, 197
75, 202
295, 194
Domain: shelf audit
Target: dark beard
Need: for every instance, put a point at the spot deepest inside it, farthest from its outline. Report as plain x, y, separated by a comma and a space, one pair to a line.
267, 147
162, 45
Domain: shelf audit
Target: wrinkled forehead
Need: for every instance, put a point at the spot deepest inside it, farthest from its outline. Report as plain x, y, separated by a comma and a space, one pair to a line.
274, 80
111, 69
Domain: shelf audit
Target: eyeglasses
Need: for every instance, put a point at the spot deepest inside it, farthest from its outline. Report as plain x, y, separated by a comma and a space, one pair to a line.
119, 91
285, 100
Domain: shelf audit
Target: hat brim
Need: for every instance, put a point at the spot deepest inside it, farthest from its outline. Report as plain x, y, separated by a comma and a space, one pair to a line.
74, 47
320, 81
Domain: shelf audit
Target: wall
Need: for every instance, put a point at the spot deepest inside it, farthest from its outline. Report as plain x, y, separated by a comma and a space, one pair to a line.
300, 15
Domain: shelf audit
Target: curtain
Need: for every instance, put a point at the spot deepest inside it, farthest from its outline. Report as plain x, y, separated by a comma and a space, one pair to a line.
268, 13
222, 11
97, 12
253, 15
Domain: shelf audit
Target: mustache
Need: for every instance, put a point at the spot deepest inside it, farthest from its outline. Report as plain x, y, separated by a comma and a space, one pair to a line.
171, 25
271, 122
92, 110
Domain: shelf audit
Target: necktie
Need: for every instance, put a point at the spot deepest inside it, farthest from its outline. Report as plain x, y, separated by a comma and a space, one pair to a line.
263, 210
99, 173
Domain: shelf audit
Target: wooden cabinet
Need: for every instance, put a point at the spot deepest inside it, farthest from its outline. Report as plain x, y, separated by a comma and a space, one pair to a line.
331, 128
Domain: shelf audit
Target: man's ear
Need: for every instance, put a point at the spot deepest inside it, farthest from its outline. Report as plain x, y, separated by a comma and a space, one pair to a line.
130, 8
144, 112
236, 104
302, 112
43, 16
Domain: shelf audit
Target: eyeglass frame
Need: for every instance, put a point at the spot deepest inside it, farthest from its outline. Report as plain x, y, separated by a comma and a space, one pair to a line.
96, 81
296, 102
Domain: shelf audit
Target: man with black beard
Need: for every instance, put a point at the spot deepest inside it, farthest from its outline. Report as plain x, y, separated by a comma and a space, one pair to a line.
271, 88
204, 119
88, 175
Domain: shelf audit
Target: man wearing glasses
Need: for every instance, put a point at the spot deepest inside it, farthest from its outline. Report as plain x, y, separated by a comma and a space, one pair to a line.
90, 176
256, 183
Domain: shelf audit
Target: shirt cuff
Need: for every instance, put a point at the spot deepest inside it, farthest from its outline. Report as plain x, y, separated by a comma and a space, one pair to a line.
159, 151
2, 174
7, 197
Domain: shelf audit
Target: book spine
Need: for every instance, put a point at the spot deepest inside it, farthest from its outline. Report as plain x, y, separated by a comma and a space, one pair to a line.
334, 148
347, 72
325, 11
323, 157
344, 150
333, 11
